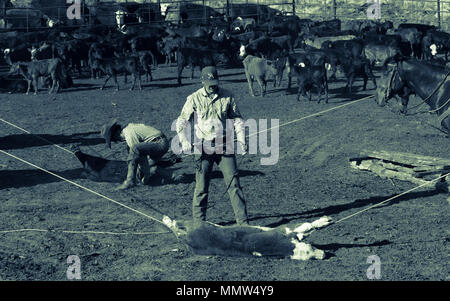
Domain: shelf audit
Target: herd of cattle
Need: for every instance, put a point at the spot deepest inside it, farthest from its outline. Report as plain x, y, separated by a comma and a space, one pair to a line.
309, 51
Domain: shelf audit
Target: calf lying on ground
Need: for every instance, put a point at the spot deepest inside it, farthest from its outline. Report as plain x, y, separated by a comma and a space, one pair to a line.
260, 69
31, 71
103, 170
210, 239
309, 77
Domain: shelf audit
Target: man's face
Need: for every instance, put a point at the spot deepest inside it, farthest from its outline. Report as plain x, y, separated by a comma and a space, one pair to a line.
211, 89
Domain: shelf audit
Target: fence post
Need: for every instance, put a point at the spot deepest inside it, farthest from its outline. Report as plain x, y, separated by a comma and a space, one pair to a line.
439, 13
227, 10
149, 13
204, 12
334, 9
258, 18
293, 7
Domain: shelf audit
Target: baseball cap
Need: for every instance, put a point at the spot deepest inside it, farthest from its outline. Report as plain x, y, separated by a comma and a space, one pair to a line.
209, 76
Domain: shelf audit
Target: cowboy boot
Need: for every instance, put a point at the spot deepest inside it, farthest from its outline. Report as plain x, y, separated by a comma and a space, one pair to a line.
131, 176
145, 171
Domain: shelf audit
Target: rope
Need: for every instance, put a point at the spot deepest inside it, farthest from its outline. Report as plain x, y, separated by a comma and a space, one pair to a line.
82, 187
292, 121
43, 139
50, 142
81, 232
390, 199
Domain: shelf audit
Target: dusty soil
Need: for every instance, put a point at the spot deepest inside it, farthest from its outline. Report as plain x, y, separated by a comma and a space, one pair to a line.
312, 178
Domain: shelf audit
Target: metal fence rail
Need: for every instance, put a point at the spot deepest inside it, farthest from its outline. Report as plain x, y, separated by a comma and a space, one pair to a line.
434, 12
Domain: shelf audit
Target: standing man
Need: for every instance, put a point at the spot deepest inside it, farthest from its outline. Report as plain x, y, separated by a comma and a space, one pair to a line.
143, 141
213, 106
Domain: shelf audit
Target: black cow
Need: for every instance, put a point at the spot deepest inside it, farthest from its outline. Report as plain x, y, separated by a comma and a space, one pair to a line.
146, 43
74, 54
262, 47
99, 51
371, 26
325, 28
351, 48
116, 65
197, 58
194, 31
146, 60
356, 66
247, 37
286, 42
440, 39
413, 36
289, 25
17, 54
309, 77
422, 28
381, 54
168, 47
329, 59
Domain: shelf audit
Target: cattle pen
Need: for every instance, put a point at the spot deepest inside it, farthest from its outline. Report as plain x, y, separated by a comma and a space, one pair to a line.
28, 14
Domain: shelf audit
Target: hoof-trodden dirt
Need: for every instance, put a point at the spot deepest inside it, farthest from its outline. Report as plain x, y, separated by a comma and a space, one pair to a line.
312, 178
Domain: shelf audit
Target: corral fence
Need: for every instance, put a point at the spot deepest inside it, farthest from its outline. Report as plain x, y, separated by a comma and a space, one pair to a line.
30, 14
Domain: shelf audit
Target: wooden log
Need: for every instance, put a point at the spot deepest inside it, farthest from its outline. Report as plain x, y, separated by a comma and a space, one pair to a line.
381, 171
431, 168
406, 158
396, 167
430, 173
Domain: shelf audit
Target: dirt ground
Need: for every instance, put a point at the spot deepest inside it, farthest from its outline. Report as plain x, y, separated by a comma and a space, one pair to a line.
312, 178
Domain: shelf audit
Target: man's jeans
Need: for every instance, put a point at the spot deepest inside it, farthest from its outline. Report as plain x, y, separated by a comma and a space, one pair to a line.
146, 154
227, 164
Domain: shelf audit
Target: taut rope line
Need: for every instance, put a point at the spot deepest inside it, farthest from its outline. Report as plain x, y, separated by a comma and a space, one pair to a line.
48, 141
295, 120
80, 232
391, 198
84, 188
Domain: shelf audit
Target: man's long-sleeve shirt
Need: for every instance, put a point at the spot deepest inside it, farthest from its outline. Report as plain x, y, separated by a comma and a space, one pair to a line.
212, 113
135, 133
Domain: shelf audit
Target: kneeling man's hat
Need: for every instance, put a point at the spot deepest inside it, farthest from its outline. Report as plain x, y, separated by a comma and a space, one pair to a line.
108, 130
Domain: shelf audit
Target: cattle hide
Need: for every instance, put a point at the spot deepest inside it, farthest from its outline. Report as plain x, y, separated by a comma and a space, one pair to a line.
206, 238
114, 171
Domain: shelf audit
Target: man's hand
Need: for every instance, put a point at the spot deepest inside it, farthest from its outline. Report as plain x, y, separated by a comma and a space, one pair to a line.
187, 147
244, 147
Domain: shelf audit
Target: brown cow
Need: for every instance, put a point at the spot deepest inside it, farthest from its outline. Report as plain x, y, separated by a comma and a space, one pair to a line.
31, 71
